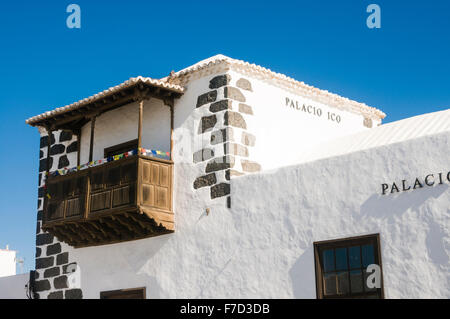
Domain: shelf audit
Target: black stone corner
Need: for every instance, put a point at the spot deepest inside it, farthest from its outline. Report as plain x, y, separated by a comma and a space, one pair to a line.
219, 81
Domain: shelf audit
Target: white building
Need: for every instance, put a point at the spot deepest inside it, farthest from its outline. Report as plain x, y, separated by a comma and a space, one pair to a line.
15, 286
7, 262
12, 286
238, 182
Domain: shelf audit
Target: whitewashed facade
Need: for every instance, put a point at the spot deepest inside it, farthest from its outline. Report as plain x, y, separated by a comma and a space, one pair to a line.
263, 168
14, 286
7, 262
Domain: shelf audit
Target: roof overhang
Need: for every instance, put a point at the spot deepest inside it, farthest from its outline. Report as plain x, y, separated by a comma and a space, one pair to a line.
74, 116
221, 63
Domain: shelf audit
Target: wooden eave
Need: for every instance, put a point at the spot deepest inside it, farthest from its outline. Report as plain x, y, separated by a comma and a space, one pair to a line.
73, 119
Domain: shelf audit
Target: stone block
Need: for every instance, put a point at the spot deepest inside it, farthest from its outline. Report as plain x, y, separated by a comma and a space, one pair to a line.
206, 180
44, 262
234, 119
246, 109
41, 285
203, 155
248, 139
53, 249
219, 81
60, 282
234, 94
220, 163
249, 166
65, 136
63, 162
62, 259
235, 149
222, 136
51, 272
221, 106
244, 84
207, 98
73, 294
220, 190
207, 123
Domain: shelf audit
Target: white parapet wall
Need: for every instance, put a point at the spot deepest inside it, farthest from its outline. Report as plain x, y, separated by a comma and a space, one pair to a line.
14, 287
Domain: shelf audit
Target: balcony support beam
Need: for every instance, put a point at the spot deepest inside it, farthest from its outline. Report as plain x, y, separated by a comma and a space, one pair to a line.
91, 145
98, 233
171, 132
144, 225
77, 133
141, 114
169, 100
100, 229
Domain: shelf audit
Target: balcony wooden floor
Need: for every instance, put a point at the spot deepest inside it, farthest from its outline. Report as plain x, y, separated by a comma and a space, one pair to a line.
124, 200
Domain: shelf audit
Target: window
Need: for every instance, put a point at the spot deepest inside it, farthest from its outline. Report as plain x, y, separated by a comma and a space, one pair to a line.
135, 293
341, 267
121, 148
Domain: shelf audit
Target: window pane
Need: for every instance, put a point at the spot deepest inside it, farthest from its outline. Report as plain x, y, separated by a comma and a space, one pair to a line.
329, 284
328, 260
367, 255
343, 288
356, 281
354, 256
341, 259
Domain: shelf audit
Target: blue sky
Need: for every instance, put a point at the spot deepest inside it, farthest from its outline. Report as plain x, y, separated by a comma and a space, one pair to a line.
402, 68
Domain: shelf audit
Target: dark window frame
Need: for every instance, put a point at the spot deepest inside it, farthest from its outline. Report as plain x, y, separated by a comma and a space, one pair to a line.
123, 292
119, 148
341, 243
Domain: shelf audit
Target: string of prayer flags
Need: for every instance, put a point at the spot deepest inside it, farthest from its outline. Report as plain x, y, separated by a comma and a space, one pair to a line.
140, 151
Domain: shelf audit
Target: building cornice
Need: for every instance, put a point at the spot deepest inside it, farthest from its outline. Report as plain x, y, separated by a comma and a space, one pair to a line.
221, 63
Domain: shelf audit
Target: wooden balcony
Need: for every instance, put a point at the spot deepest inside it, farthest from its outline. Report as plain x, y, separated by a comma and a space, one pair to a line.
123, 200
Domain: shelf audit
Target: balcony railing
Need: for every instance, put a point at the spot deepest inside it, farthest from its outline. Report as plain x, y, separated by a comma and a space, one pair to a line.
122, 200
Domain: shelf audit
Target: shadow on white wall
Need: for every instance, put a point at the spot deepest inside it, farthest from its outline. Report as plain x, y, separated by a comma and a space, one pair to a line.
387, 206
303, 284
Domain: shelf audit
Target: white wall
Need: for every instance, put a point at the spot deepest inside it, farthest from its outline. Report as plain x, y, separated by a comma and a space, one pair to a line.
121, 125
7, 262
282, 132
263, 246
13, 287
338, 198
